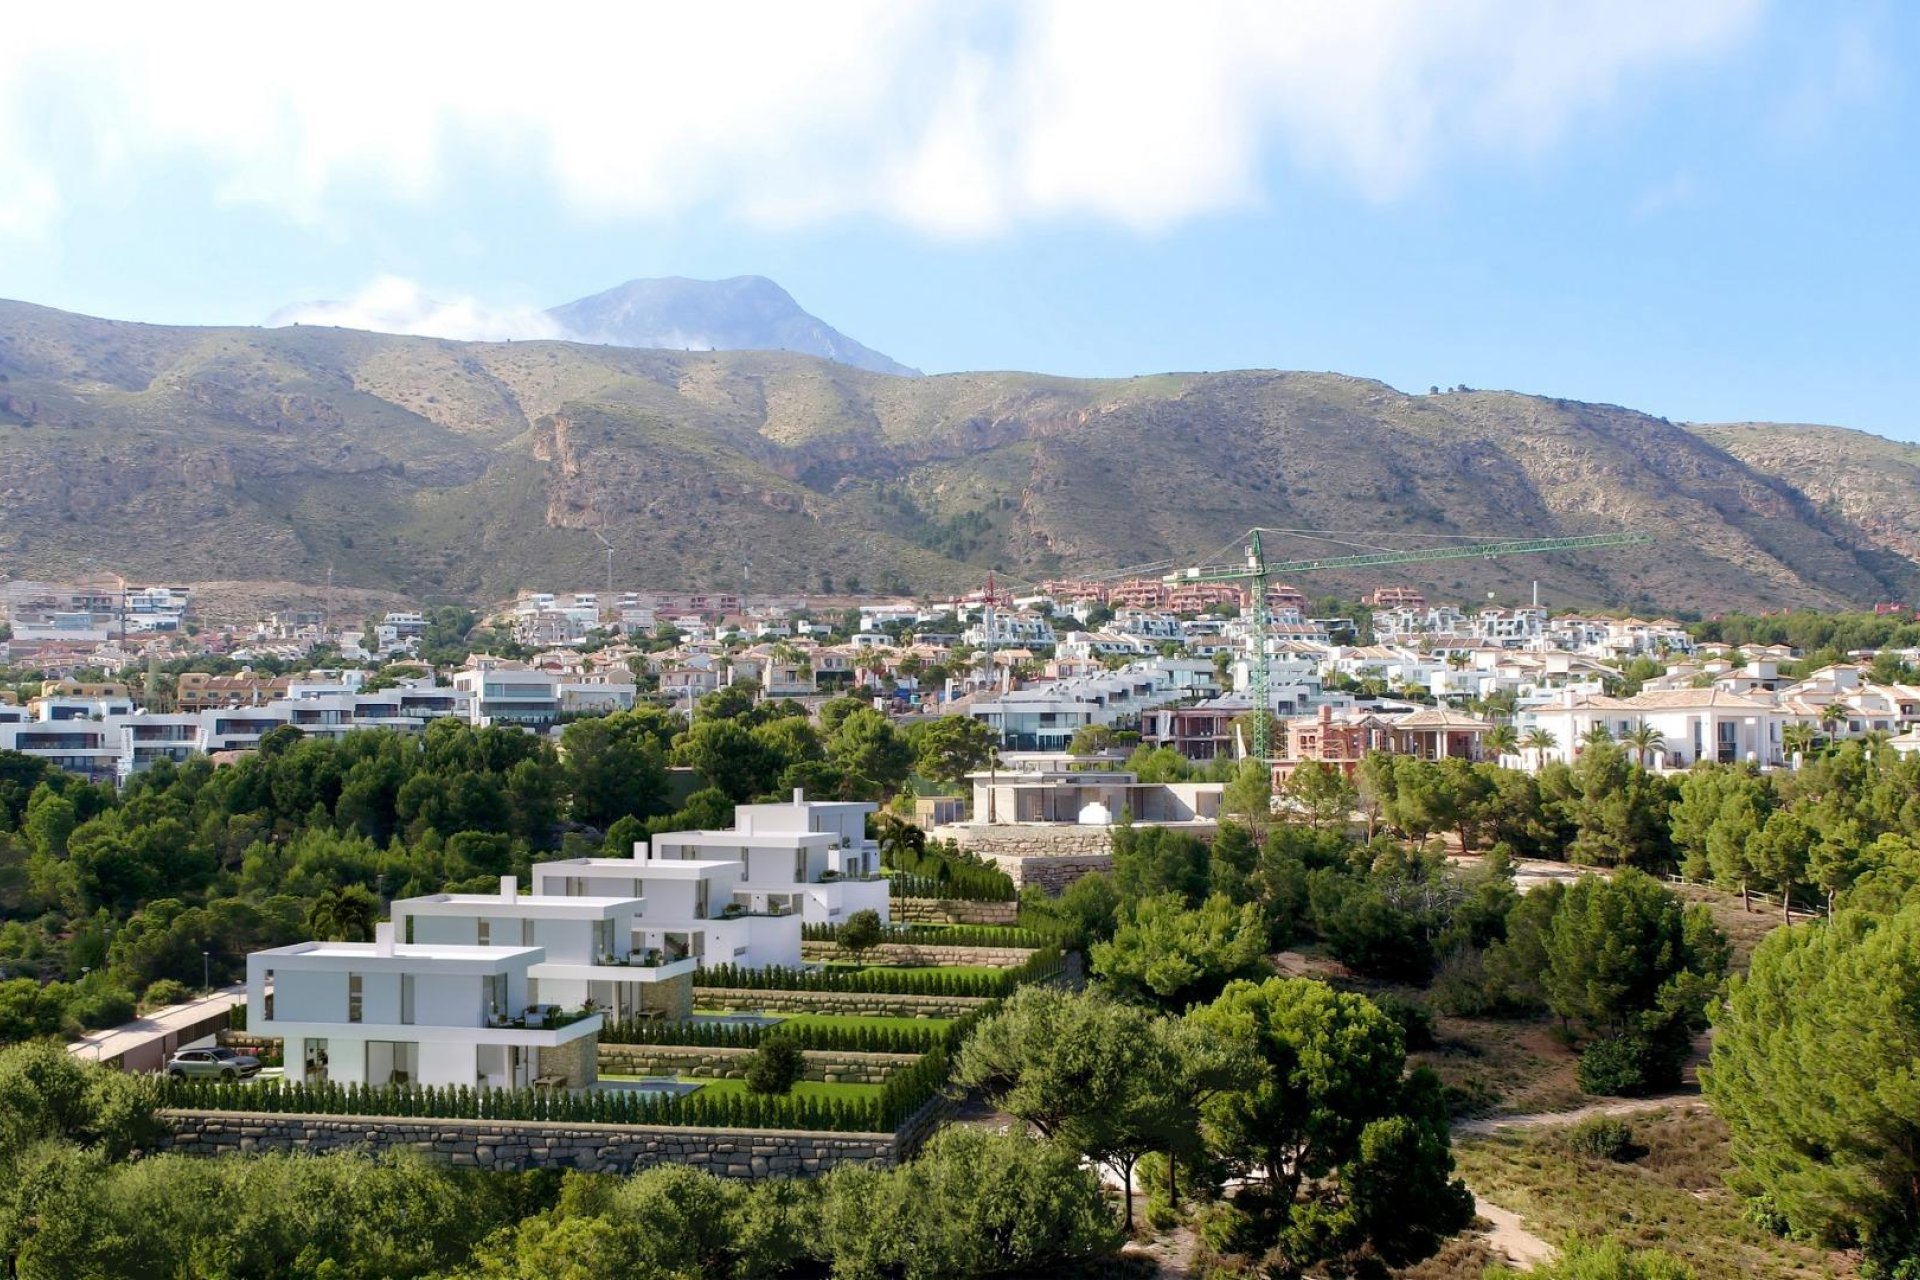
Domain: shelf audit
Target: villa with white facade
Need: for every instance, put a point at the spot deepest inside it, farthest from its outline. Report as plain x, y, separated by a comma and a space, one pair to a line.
693, 907
594, 947
810, 857
385, 1012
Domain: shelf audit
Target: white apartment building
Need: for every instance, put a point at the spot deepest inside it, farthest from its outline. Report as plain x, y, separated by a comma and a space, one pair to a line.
1011, 630
385, 1012
593, 947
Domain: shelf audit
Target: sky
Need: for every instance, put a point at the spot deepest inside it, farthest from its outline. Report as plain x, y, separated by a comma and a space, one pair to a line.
1705, 209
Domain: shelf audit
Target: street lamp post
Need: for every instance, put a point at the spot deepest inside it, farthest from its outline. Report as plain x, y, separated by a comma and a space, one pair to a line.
206, 970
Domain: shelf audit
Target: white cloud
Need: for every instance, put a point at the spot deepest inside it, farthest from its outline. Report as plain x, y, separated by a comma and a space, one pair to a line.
391, 304
955, 120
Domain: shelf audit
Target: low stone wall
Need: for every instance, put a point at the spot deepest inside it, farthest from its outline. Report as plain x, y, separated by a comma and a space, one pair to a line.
953, 911
704, 1063
1049, 856
859, 1003
1019, 839
923, 953
511, 1145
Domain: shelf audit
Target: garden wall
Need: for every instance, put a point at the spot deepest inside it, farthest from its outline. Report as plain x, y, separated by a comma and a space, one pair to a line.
860, 1003
698, 1062
511, 1145
953, 911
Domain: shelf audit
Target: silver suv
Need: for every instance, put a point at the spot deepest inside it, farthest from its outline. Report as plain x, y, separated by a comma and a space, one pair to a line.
222, 1063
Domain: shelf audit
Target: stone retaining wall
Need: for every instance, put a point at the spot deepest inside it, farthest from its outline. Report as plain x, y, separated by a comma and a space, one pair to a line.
706, 1063
859, 1003
511, 1145
923, 953
953, 911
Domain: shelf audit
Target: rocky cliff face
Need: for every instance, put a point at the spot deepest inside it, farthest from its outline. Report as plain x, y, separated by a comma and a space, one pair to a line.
467, 470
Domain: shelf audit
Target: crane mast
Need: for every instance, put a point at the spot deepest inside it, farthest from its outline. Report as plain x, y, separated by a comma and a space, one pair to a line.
1256, 571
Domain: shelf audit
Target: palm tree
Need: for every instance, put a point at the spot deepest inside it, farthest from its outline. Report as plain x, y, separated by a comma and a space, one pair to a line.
1502, 740
1797, 738
1832, 716
1597, 735
1539, 741
345, 913
1645, 740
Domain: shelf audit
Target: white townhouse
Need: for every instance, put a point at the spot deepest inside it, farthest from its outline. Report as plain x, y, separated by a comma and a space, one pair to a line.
386, 1012
694, 907
594, 948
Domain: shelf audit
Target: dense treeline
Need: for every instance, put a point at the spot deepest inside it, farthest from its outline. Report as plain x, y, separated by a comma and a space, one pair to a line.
1813, 1070
72, 1204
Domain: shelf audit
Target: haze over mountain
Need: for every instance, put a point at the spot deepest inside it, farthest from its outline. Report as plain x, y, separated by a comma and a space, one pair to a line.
743, 313
466, 470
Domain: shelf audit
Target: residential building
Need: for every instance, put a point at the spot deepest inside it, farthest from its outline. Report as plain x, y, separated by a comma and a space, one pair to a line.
386, 1012
693, 906
510, 693
1047, 787
593, 948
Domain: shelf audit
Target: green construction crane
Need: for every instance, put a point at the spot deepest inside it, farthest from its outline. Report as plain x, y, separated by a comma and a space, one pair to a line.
1257, 570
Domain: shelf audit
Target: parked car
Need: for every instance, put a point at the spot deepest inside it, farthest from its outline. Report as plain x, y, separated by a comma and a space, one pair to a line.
222, 1063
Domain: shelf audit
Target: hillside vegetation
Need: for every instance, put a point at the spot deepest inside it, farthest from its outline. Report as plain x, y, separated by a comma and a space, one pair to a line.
466, 470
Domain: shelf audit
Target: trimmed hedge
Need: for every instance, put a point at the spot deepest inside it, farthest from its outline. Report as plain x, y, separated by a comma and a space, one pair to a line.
822, 1037
904, 1093
944, 935
1040, 967
965, 886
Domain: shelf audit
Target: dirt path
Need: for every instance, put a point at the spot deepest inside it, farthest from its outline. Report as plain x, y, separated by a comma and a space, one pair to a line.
1508, 1235
1548, 1119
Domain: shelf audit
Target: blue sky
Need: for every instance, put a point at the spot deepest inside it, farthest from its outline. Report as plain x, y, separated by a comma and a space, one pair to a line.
1702, 208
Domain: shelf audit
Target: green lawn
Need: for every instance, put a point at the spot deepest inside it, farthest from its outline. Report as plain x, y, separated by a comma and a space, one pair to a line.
847, 966
858, 1020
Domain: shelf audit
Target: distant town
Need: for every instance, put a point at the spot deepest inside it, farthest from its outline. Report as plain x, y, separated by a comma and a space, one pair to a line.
108, 677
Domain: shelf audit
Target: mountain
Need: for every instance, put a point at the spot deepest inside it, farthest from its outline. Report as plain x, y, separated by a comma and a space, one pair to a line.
449, 470
745, 313
1866, 481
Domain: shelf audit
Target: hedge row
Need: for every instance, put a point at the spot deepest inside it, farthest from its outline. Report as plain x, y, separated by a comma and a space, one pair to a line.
946, 935
960, 884
818, 1036
1040, 967
904, 1093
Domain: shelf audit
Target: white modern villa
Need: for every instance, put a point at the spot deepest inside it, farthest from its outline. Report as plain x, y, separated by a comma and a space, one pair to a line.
809, 857
693, 907
594, 948
385, 1012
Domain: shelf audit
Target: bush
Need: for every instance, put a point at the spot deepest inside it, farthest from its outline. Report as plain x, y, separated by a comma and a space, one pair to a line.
101, 1007
1604, 1138
1416, 1024
862, 932
775, 1067
1616, 1067
165, 991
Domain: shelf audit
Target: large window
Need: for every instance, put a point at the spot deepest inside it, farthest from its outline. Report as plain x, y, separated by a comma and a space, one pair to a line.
393, 1062
356, 997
